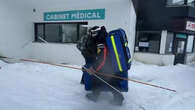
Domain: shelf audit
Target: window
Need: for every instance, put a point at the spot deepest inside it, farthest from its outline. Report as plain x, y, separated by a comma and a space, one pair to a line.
181, 47
148, 42
169, 43
175, 2
69, 33
181, 2
190, 44
59, 32
191, 2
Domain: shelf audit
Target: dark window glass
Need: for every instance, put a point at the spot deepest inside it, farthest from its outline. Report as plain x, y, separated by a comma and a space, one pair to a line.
83, 30
59, 32
148, 42
52, 33
39, 32
181, 47
194, 46
69, 33
169, 42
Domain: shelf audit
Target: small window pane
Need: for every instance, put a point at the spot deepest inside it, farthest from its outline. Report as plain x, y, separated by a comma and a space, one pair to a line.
191, 2
82, 30
190, 43
175, 2
52, 33
69, 33
169, 42
148, 42
181, 47
39, 32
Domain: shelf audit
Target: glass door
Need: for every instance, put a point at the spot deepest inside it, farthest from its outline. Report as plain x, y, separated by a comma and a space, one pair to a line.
180, 48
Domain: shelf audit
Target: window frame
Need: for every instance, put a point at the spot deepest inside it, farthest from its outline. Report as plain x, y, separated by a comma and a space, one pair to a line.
193, 48
44, 23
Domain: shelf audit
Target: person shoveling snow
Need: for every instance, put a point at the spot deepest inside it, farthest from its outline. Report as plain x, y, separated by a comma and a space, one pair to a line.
108, 53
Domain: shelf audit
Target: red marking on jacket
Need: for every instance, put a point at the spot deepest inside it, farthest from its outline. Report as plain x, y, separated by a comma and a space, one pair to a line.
104, 60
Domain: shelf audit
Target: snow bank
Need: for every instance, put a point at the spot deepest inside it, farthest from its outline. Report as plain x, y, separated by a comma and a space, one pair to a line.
185, 101
192, 64
33, 86
179, 77
2, 63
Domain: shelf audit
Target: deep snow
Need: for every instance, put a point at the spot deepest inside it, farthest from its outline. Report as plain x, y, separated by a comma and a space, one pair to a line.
33, 86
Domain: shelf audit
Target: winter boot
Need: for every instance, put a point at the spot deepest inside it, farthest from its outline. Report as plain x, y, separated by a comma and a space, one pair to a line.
93, 96
118, 99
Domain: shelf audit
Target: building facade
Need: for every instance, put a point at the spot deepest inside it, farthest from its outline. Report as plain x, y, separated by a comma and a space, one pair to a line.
165, 32
49, 29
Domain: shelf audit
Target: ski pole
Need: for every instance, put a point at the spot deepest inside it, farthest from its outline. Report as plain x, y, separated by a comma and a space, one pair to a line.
107, 83
136, 81
104, 74
111, 86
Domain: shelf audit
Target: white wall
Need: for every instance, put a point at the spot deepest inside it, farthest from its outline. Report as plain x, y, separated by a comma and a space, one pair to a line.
163, 41
156, 59
58, 53
16, 29
190, 58
118, 14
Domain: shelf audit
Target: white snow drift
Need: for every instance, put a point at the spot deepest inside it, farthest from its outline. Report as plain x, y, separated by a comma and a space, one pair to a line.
33, 86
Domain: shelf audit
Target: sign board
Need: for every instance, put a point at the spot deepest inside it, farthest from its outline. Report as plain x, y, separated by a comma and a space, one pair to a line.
183, 36
92, 14
190, 26
143, 44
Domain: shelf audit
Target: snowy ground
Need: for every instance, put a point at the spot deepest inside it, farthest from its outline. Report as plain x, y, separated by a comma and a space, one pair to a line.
33, 86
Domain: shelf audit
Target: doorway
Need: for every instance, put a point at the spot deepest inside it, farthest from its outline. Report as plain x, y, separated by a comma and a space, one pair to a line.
180, 48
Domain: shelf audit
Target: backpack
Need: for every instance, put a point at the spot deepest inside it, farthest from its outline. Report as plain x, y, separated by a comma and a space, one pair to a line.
118, 49
87, 44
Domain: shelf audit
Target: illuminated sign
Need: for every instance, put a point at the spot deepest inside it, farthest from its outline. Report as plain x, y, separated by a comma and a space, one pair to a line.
183, 36
190, 26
